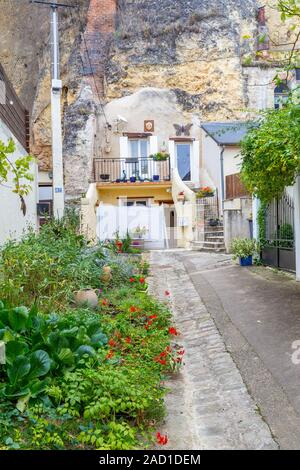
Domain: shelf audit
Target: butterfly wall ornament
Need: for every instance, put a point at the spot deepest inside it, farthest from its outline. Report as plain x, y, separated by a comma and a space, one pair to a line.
182, 129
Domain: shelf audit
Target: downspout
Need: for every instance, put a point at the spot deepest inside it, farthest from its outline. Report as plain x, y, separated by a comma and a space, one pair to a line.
222, 176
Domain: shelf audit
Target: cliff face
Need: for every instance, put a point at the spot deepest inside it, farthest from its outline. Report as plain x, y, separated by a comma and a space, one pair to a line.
193, 48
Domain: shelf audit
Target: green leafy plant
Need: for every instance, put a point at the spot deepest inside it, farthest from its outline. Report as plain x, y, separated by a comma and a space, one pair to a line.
243, 247
160, 156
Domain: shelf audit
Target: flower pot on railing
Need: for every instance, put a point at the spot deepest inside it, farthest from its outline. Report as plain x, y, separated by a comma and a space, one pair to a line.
155, 177
132, 179
104, 177
205, 192
160, 157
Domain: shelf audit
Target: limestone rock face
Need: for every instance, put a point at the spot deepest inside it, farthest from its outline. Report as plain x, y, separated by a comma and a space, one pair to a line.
195, 49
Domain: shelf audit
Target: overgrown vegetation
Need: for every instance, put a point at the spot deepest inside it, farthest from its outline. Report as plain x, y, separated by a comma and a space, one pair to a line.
77, 377
271, 153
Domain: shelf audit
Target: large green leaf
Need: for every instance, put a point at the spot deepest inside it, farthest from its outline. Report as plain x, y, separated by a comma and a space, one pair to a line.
99, 339
40, 364
39, 386
66, 357
19, 369
17, 318
85, 349
57, 341
14, 349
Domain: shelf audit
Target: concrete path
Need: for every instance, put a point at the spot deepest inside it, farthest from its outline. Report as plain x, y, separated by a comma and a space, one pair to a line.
208, 406
257, 311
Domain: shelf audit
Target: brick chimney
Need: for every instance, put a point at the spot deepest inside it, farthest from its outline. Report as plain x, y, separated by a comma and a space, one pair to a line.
101, 20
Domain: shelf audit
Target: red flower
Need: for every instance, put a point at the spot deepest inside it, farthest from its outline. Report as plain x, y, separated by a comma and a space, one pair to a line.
163, 354
181, 352
173, 331
163, 362
153, 317
104, 302
128, 340
167, 293
112, 343
110, 354
131, 279
161, 440
142, 280
133, 309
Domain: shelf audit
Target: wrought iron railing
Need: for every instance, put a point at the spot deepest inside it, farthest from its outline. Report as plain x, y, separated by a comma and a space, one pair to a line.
118, 170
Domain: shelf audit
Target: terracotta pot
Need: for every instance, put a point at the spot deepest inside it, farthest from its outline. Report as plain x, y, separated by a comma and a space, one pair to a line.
107, 275
86, 296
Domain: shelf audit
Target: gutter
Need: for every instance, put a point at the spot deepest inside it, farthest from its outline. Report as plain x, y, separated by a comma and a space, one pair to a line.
222, 175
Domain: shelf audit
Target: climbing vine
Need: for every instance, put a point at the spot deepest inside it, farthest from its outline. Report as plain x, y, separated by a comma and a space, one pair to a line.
271, 152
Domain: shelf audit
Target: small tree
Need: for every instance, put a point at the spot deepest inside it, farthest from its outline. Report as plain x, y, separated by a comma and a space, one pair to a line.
16, 171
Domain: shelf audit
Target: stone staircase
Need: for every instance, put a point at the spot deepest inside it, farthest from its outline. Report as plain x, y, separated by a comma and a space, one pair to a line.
207, 237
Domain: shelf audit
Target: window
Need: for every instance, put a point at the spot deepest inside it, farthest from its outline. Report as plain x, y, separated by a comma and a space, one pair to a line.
183, 158
281, 94
138, 149
135, 202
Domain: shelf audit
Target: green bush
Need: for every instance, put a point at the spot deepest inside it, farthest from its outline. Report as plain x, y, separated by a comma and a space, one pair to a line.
79, 378
243, 247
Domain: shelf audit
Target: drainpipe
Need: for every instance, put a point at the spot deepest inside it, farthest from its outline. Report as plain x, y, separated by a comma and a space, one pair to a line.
222, 175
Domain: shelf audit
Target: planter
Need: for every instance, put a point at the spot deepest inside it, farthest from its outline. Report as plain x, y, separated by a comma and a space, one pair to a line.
104, 177
155, 177
132, 179
246, 261
118, 180
86, 297
213, 222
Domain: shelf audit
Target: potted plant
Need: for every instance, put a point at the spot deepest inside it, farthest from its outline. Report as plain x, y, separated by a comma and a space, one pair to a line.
206, 191
244, 249
132, 179
160, 156
139, 232
181, 196
155, 177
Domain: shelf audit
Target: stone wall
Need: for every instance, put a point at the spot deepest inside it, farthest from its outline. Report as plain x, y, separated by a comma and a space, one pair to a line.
236, 217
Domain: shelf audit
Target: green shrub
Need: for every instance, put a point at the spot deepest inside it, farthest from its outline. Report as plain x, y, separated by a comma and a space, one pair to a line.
243, 247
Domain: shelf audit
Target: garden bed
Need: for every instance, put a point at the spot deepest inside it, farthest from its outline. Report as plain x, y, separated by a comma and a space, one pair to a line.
77, 377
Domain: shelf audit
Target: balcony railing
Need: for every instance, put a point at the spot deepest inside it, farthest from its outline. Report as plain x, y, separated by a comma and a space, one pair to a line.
130, 170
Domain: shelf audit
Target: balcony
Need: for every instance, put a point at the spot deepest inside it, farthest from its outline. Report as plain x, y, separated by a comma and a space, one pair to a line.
131, 171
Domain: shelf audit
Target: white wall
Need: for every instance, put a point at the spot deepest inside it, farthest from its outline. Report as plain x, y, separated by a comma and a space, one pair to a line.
232, 160
12, 221
210, 162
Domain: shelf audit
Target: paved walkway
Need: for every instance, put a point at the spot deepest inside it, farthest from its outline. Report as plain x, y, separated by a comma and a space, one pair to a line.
209, 406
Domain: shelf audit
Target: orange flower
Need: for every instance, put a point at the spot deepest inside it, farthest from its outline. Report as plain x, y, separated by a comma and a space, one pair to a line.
142, 280
110, 354
112, 343
128, 340
104, 302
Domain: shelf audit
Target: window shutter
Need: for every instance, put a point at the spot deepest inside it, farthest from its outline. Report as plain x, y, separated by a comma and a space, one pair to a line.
172, 153
153, 144
123, 147
195, 164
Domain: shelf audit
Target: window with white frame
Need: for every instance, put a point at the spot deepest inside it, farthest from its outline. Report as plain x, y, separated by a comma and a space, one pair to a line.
138, 151
183, 160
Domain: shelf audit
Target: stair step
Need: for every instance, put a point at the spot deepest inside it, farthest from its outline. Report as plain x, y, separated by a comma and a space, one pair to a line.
214, 239
213, 244
218, 233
